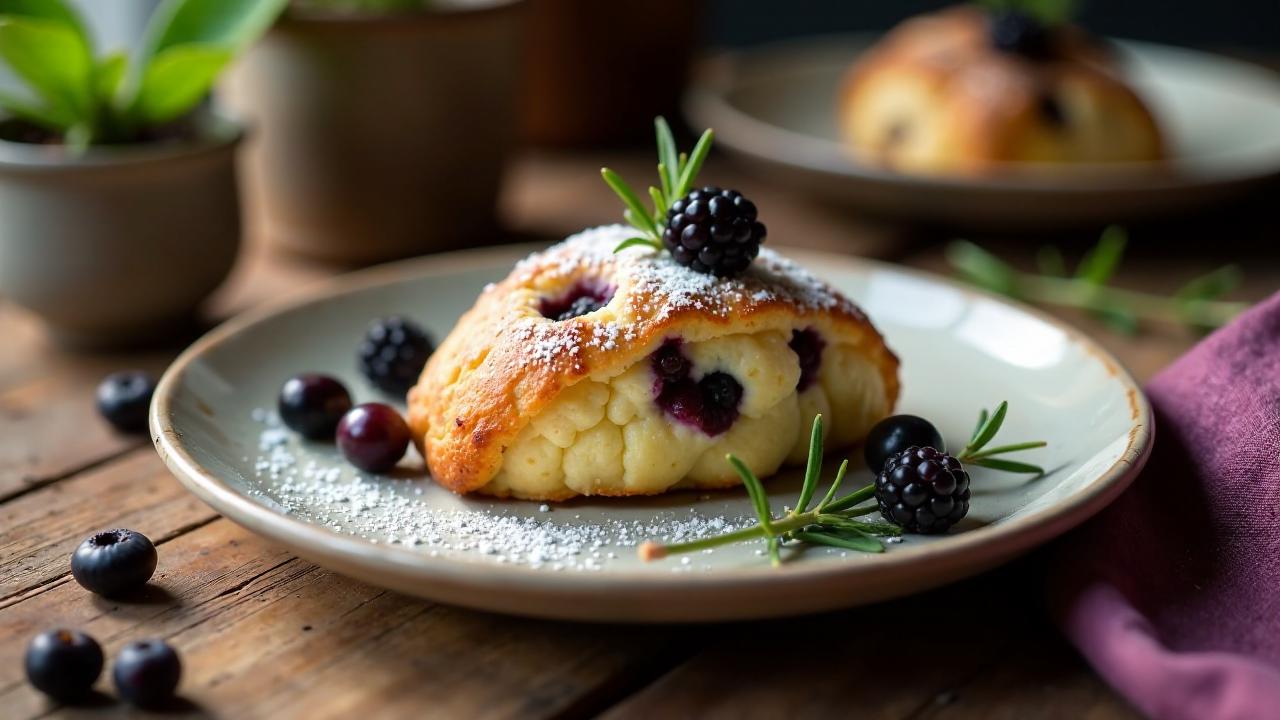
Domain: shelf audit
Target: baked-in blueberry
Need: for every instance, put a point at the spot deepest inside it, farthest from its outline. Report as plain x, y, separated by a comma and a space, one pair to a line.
63, 664
147, 673
114, 562
124, 398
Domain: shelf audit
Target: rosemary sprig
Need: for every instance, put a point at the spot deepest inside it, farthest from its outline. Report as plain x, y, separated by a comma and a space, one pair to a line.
1047, 12
1196, 304
834, 520
676, 175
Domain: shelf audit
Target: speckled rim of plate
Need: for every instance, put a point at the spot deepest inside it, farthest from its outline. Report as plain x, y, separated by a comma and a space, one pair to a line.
636, 597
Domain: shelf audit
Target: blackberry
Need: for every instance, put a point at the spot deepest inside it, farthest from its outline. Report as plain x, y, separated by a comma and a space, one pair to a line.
1021, 34
923, 490
713, 231
393, 353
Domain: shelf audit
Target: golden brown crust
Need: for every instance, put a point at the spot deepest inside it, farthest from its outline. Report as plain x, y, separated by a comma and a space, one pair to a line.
504, 362
934, 94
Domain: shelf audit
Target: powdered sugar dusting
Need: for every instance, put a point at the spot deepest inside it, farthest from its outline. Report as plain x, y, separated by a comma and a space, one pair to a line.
314, 484
654, 286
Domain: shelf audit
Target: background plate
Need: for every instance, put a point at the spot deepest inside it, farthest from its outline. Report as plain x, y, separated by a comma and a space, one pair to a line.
961, 350
775, 106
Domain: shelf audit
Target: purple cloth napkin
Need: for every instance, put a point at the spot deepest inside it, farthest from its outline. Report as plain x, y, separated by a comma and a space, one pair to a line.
1173, 592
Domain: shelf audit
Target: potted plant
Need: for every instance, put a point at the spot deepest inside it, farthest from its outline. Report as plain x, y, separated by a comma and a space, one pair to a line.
381, 126
117, 186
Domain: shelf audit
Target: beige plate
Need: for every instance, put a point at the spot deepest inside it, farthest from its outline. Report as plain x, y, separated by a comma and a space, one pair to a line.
775, 106
961, 350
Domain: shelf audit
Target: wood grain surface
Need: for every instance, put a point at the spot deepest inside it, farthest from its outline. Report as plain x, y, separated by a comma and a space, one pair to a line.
264, 634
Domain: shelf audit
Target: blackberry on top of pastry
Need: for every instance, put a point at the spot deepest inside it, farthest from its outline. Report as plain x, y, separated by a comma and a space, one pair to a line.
628, 360
979, 89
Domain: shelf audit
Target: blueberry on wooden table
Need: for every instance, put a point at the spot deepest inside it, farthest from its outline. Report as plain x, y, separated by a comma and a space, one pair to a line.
147, 673
124, 399
312, 404
63, 664
114, 562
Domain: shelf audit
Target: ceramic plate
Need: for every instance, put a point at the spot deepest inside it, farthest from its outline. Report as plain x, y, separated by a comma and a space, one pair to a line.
961, 350
775, 107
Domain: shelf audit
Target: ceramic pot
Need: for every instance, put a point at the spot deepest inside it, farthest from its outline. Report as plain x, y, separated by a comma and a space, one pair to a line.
121, 242
379, 137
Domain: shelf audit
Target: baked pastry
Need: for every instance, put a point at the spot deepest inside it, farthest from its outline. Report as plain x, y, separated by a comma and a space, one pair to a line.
666, 371
967, 91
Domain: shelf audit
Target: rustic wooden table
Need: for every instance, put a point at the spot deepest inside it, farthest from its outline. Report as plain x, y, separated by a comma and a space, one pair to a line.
265, 634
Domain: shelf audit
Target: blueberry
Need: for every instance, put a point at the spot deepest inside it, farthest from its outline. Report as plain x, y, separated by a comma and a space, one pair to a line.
894, 434
114, 562
124, 398
312, 405
147, 673
63, 664
373, 437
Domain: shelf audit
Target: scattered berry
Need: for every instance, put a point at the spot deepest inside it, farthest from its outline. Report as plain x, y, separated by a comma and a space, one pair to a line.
312, 405
147, 673
923, 490
63, 664
713, 231
896, 433
373, 437
124, 398
393, 353
114, 562
1018, 33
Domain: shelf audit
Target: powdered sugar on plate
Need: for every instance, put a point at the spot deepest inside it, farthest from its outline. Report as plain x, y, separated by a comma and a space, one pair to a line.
312, 483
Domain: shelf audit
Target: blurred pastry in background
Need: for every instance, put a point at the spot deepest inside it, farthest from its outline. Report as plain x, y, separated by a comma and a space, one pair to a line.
972, 90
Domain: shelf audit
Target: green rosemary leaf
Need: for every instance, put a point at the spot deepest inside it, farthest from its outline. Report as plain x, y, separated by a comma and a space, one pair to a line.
756, 490
1100, 263
858, 542
814, 467
989, 429
982, 268
1210, 286
1007, 465
1003, 449
835, 485
775, 555
639, 215
667, 156
659, 205
982, 420
853, 498
664, 179
1118, 318
691, 168
632, 242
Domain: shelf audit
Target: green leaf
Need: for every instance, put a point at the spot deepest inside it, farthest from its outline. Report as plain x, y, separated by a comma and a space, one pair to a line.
851, 541
176, 80
982, 268
659, 202
835, 485
987, 431
1119, 318
1100, 263
108, 75
865, 493
775, 555
813, 468
1006, 465
666, 183
982, 421
632, 242
691, 168
55, 11
1211, 285
756, 491
33, 113
668, 160
1003, 449
639, 215
53, 60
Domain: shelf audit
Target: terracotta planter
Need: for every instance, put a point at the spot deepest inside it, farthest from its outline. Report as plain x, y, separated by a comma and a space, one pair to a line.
598, 71
384, 136
123, 241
